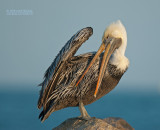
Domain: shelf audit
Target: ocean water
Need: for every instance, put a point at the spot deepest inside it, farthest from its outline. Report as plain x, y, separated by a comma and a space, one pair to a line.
141, 109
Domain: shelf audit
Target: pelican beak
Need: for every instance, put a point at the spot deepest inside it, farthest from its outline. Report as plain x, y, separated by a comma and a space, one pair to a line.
109, 45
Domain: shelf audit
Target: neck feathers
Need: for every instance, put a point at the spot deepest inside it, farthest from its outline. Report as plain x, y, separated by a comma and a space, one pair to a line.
119, 60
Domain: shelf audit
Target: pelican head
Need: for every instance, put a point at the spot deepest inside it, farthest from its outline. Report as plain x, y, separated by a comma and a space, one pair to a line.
117, 30
114, 42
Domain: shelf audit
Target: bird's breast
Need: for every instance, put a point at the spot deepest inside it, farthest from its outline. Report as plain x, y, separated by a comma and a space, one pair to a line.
109, 82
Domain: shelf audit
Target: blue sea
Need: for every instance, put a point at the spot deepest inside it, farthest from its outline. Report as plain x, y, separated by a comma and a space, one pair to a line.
139, 107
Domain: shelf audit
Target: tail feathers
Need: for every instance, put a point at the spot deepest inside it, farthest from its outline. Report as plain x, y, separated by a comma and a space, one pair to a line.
41, 115
45, 114
39, 105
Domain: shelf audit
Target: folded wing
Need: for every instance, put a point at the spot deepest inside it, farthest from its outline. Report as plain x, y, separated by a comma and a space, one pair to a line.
65, 54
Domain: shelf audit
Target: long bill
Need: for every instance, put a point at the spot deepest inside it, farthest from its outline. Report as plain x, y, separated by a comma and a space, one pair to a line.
100, 50
102, 68
109, 46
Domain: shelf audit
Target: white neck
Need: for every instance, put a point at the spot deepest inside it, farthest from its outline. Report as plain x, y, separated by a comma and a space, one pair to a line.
118, 58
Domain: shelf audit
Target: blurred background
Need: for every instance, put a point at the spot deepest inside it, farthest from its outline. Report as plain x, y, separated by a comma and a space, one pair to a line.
33, 32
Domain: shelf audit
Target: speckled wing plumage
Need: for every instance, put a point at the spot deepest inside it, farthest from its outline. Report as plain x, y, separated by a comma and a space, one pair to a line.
70, 75
65, 93
52, 73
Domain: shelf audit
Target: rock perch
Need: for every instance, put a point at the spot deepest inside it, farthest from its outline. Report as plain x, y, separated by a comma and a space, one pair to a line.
111, 123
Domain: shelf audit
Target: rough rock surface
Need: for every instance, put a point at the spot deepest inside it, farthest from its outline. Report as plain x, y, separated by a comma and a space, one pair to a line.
110, 123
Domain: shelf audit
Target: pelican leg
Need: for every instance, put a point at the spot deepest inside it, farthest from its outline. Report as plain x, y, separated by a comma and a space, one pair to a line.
84, 114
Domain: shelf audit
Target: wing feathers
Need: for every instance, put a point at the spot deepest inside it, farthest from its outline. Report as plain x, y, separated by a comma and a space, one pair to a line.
67, 52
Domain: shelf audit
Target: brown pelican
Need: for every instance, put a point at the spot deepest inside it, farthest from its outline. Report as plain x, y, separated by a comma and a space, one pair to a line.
80, 80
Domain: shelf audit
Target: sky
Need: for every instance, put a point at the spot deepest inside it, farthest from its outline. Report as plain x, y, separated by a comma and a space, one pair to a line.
30, 42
